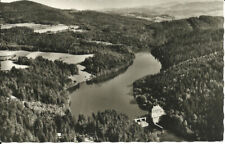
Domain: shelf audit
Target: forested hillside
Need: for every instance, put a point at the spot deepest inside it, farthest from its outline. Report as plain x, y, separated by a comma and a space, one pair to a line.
27, 11
43, 81
34, 102
97, 27
190, 84
33, 99
188, 46
22, 124
126, 35
167, 32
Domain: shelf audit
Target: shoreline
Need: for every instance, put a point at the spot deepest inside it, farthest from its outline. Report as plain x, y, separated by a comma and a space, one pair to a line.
97, 79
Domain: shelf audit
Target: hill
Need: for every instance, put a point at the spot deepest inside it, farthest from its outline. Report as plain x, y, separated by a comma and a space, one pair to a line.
133, 32
27, 11
192, 95
126, 34
190, 84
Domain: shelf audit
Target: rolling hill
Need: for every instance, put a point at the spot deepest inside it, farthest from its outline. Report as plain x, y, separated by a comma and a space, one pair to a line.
27, 11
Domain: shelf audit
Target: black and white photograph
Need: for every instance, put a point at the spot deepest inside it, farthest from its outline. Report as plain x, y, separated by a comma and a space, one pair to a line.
111, 71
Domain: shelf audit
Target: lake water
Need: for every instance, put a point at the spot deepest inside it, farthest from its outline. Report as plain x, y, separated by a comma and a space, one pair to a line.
115, 93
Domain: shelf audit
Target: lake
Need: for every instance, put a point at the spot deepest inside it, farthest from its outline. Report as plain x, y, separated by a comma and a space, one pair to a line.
115, 93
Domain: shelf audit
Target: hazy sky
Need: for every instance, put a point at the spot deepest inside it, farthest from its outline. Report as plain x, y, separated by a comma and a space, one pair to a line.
103, 4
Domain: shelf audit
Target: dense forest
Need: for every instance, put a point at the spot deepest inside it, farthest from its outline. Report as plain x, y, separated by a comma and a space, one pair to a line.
196, 44
33, 99
43, 81
34, 102
190, 84
113, 56
191, 94
21, 124
34, 107
114, 127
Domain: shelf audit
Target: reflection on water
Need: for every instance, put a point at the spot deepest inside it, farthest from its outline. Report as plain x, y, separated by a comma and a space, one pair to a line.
115, 93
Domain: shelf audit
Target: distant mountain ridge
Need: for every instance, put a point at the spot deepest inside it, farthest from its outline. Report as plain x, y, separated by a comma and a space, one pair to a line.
28, 11
177, 10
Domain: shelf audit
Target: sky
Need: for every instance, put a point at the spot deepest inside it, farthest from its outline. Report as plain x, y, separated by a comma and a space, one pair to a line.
103, 4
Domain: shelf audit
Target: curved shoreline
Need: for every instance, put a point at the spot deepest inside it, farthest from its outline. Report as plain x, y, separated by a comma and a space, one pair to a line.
115, 93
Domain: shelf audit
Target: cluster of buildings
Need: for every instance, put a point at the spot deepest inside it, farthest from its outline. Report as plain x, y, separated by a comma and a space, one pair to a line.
156, 113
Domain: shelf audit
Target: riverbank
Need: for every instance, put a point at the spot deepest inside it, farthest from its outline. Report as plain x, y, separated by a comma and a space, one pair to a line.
109, 74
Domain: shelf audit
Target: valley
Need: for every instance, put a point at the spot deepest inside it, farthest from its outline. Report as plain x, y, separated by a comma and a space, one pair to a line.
120, 66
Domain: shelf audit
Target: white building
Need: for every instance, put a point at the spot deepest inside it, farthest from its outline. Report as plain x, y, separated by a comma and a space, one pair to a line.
157, 112
141, 121
59, 135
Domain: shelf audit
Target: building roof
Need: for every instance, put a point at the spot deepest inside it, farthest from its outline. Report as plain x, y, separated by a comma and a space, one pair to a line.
141, 121
157, 112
